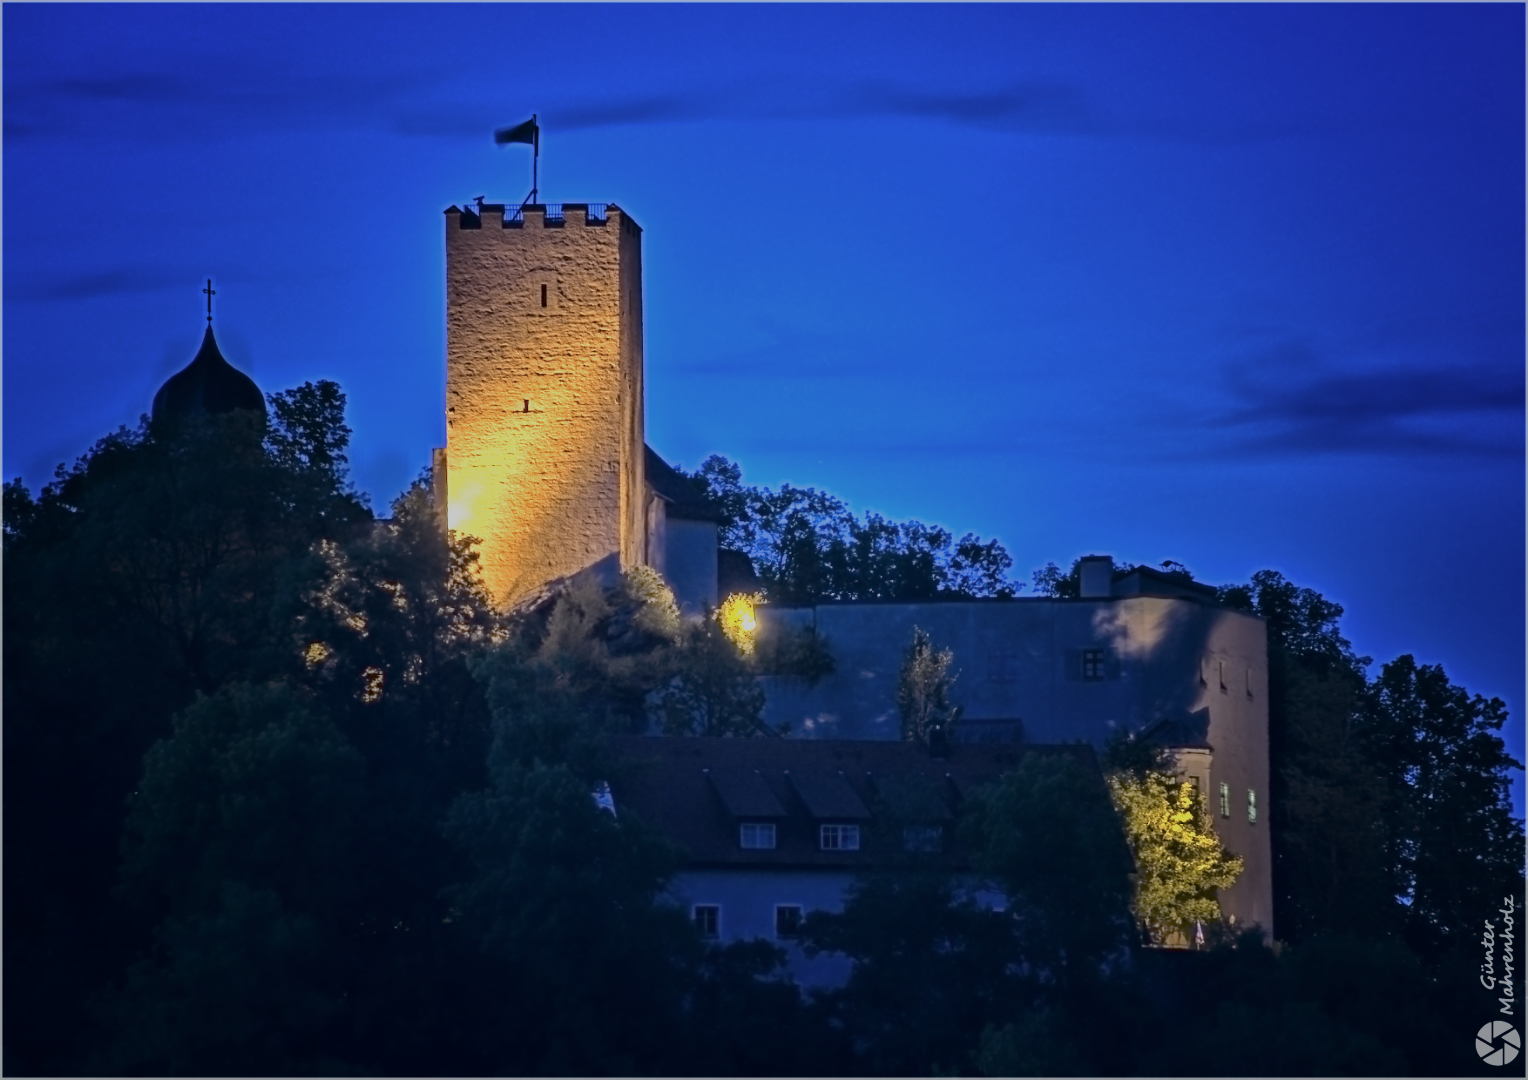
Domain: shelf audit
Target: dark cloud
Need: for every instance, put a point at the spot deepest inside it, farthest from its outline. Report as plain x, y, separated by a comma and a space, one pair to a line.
1026, 106
87, 286
1290, 402
223, 103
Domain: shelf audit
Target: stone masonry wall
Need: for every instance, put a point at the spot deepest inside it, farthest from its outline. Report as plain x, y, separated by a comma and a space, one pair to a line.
544, 410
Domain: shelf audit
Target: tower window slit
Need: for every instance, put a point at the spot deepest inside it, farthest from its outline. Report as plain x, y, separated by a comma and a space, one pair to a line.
543, 296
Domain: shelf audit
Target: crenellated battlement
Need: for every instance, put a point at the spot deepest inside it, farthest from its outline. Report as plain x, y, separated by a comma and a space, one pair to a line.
542, 215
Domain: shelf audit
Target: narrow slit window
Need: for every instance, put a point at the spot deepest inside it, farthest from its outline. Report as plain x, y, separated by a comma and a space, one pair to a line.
1251, 807
1222, 676
1225, 800
543, 296
1249, 682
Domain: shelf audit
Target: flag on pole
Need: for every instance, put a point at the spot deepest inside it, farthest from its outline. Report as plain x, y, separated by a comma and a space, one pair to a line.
527, 132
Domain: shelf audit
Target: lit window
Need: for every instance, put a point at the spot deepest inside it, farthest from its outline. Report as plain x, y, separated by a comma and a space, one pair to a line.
1251, 807
708, 918
787, 920
922, 838
840, 838
1225, 800
757, 837
1092, 663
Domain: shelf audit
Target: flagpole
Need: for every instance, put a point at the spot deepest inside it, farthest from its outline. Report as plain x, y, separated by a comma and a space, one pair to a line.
535, 160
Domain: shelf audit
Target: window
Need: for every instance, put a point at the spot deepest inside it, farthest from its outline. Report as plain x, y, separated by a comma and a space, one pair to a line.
787, 920
708, 918
543, 296
1251, 807
1002, 667
757, 837
840, 838
1222, 676
922, 838
1092, 663
1225, 800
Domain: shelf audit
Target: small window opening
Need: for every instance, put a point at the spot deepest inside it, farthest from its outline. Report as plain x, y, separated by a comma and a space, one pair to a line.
1222, 676
1225, 800
1249, 682
543, 296
840, 838
708, 919
1092, 663
757, 837
787, 920
1251, 807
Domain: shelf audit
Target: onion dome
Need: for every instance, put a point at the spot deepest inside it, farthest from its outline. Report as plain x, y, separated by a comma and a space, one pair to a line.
209, 384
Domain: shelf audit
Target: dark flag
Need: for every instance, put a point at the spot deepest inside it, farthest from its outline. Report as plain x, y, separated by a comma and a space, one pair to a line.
521, 133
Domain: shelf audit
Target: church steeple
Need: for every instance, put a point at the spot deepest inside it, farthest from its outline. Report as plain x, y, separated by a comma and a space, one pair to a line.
209, 384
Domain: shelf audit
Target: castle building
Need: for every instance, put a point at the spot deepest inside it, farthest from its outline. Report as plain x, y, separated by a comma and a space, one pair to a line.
545, 462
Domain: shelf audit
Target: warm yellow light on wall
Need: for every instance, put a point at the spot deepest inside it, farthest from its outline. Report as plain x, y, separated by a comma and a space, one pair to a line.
738, 621
460, 498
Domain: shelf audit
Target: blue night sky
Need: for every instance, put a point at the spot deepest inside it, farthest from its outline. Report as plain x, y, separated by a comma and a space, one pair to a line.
1237, 286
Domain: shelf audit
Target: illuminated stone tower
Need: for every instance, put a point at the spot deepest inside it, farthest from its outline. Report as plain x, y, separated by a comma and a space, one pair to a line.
544, 439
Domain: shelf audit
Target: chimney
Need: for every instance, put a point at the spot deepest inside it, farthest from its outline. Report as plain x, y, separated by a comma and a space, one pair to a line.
1096, 574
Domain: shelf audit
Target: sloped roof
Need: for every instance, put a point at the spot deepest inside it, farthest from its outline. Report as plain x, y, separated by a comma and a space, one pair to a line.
684, 502
744, 793
683, 787
827, 796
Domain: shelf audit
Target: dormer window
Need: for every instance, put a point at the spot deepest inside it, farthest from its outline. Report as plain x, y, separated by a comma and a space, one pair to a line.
839, 837
756, 836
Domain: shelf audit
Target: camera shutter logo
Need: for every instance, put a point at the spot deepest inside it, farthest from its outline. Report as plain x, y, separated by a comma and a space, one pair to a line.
1497, 1043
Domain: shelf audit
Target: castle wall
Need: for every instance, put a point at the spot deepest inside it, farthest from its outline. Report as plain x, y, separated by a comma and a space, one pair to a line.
1020, 665
544, 411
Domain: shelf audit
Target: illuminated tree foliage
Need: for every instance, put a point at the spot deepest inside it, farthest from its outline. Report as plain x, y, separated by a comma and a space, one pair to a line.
737, 620
923, 689
1180, 862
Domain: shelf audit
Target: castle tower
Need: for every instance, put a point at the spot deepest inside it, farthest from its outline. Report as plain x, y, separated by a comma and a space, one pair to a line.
544, 411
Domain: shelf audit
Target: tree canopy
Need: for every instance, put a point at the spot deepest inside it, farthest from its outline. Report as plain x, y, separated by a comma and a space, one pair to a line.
808, 546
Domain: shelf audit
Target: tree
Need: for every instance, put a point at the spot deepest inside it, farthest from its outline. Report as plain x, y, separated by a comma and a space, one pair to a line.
1047, 835
1454, 849
808, 546
1180, 863
923, 690
931, 966
562, 896
137, 578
